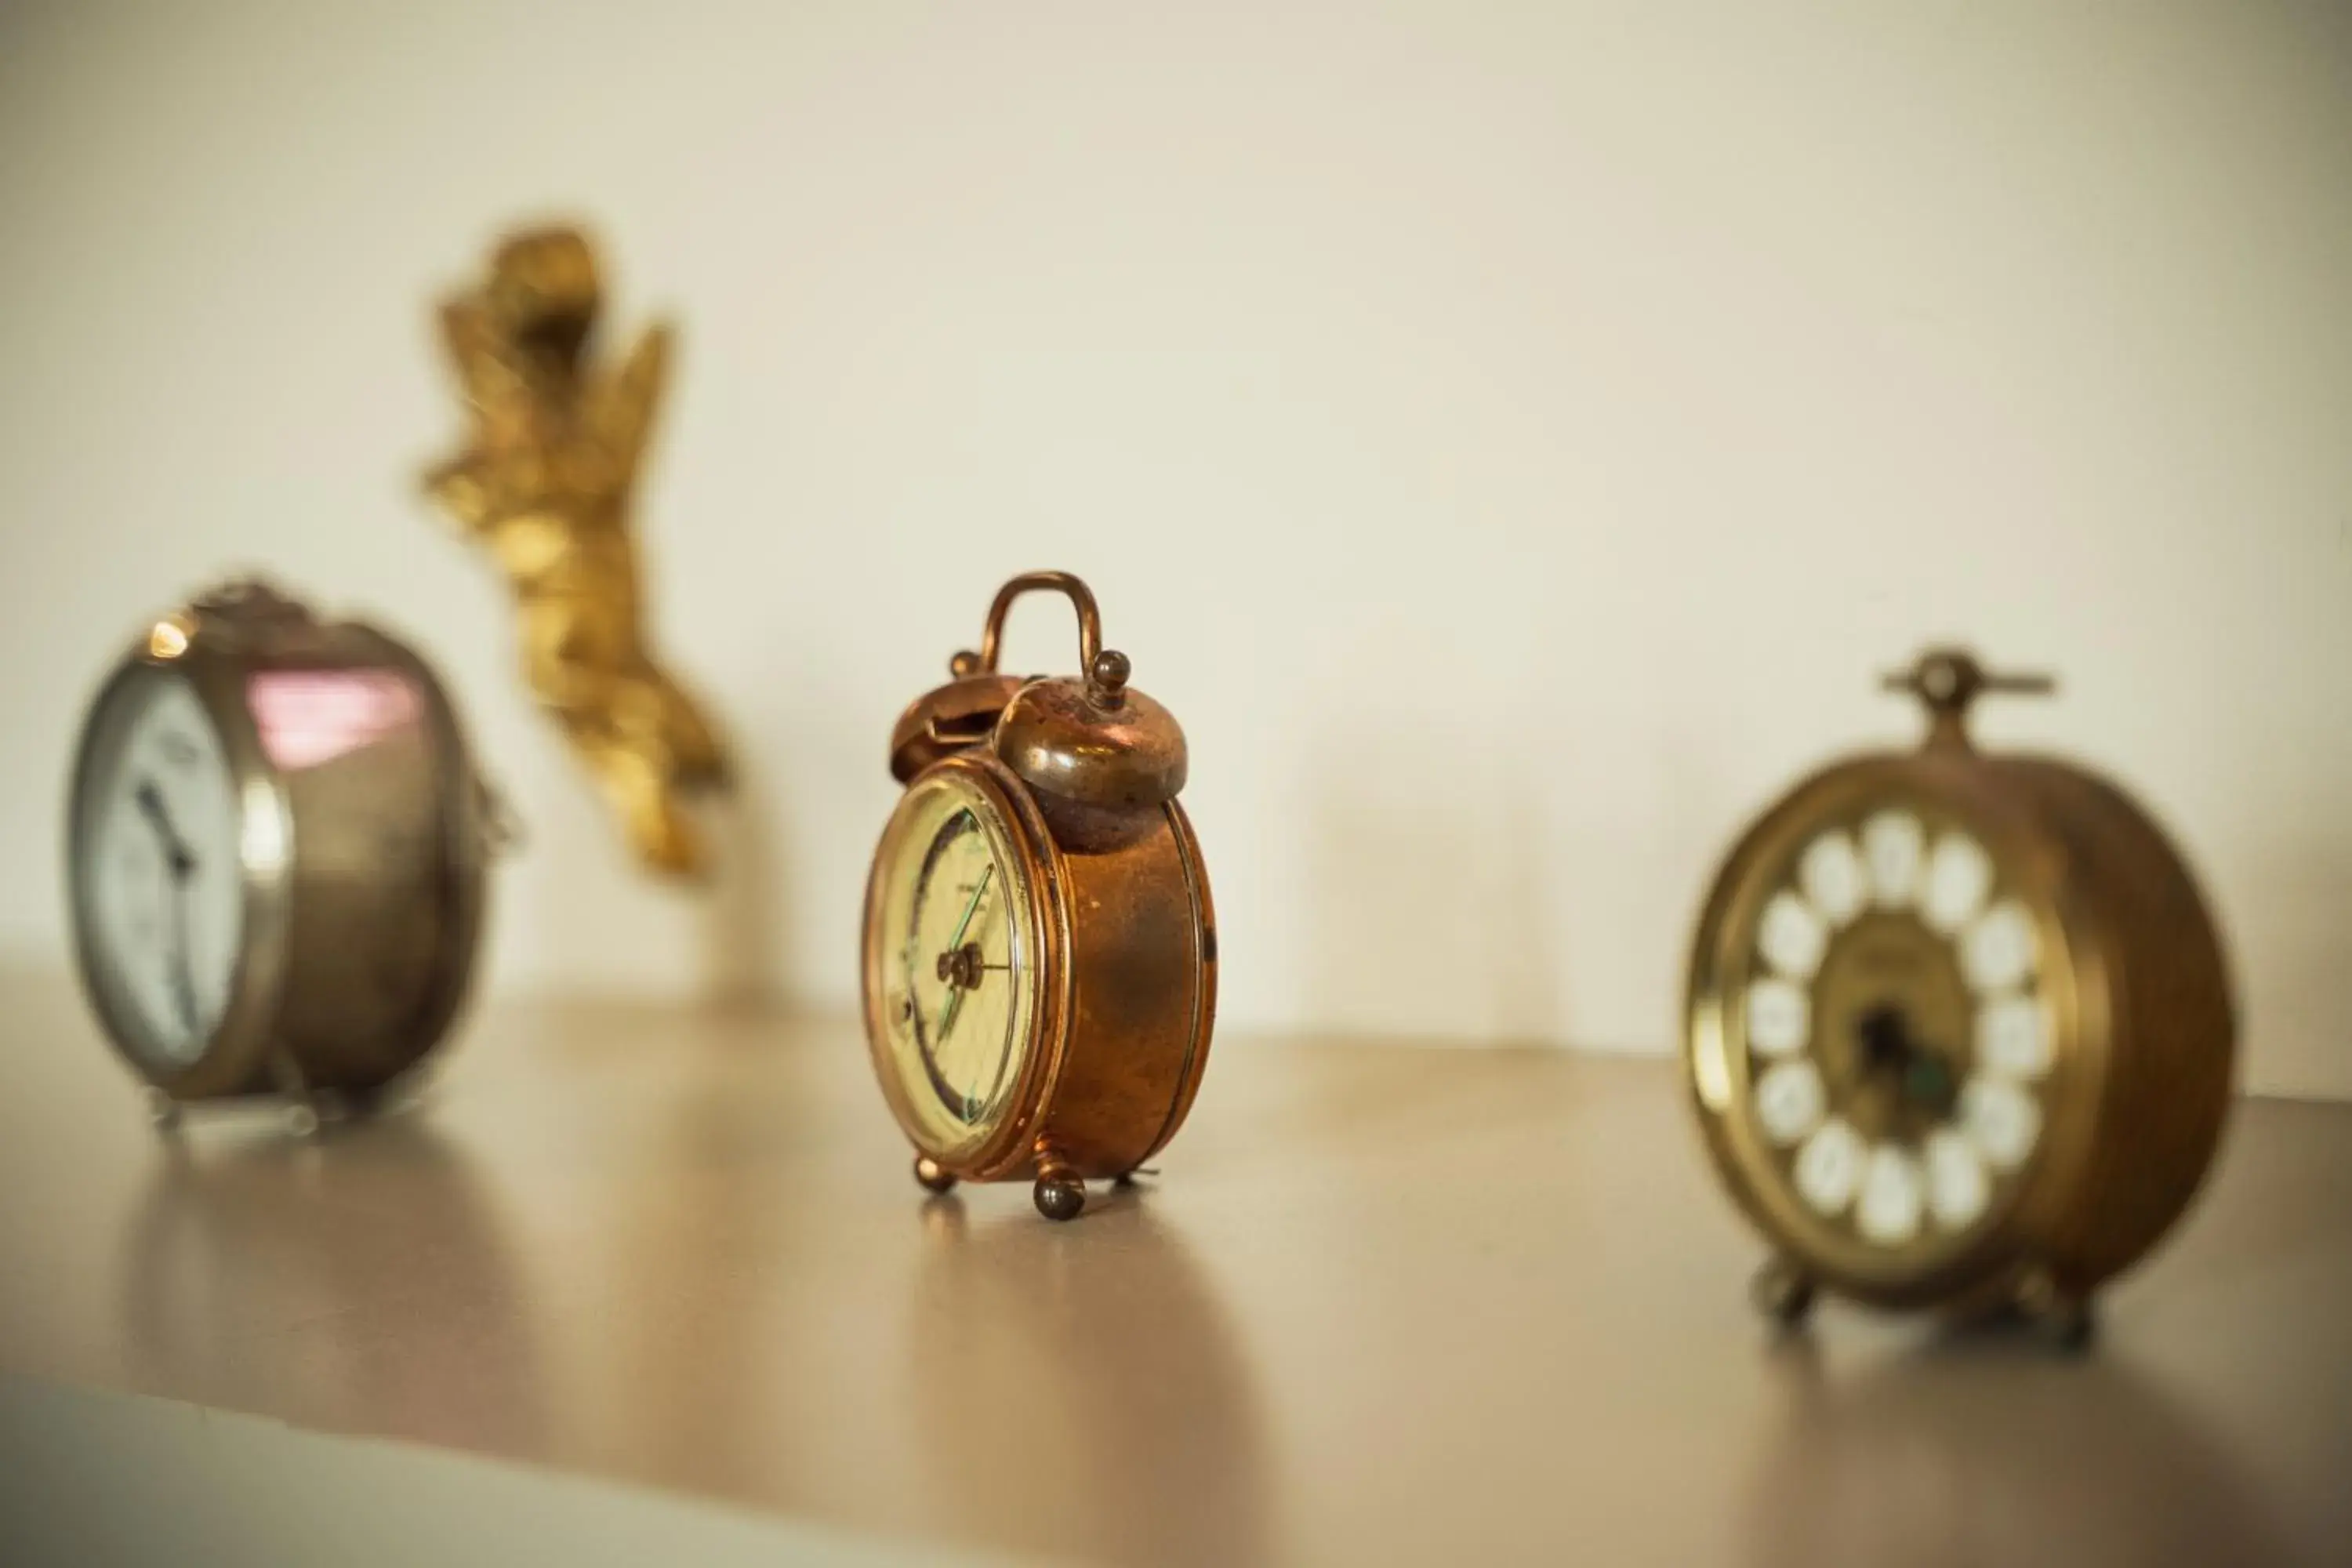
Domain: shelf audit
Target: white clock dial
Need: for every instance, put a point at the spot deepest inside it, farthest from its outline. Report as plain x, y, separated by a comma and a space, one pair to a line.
157, 868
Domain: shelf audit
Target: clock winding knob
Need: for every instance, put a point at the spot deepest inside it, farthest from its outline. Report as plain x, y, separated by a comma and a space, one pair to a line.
1948, 680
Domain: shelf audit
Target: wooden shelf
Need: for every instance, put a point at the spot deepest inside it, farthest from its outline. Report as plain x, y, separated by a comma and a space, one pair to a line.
1382, 1304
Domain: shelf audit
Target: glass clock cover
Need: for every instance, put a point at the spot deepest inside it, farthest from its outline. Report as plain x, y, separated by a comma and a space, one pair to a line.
157, 866
958, 929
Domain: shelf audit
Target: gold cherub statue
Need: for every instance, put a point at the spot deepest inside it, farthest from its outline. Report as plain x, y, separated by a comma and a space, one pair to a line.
546, 482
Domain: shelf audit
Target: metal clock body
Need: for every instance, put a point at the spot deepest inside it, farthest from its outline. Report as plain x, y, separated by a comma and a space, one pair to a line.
1040, 949
276, 856
1959, 1031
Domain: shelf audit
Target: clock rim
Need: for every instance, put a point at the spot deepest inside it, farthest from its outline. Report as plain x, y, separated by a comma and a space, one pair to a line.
234, 1053
1007, 1147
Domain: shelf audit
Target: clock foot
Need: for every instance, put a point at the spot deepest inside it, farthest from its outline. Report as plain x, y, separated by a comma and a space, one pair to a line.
2065, 1316
301, 1110
310, 1112
2073, 1326
336, 1106
1060, 1193
1060, 1196
932, 1176
319, 1112
1782, 1292
163, 1110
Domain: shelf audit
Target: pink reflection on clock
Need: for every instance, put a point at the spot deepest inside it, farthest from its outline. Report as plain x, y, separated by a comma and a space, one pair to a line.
308, 717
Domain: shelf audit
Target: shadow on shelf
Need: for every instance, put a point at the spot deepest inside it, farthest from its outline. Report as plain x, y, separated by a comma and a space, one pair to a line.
1120, 1423
254, 1267
1988, 1445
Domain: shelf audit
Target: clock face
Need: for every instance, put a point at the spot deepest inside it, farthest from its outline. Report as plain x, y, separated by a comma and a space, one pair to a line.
953, 932
1890, 1011
156, 867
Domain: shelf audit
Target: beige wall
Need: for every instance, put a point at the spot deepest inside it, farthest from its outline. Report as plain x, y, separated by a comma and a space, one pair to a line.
1511, 438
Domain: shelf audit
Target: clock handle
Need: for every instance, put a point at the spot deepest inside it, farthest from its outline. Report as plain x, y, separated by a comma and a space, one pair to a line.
1106, 669
1948, 679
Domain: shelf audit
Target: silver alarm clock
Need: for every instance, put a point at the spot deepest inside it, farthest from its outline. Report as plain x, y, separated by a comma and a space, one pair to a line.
276, 855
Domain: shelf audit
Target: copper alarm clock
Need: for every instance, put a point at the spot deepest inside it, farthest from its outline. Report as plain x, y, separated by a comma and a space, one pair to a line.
1040, 953
1959, 1031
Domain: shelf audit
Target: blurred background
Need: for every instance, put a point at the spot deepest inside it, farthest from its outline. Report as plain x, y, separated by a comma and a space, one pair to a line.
1512, 442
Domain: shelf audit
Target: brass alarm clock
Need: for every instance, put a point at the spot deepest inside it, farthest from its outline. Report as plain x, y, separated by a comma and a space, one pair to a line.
1959, 1027
1040, 954
276, 856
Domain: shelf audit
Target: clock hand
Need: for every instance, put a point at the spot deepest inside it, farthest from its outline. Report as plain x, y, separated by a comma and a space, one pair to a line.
955, 993
183, 979
971, 906
1927, 1082
177, 864
1922, 1075
181, 862
176, 853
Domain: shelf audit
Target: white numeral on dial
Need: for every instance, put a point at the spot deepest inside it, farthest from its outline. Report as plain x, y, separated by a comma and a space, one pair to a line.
1791, 936
1832, 875
1999, 952
1892, 1195
1828, 1168
1892, 841
1958, 876
1779, 1018
2003, 1121
1958, 1186
1790, 1100
2012, 1039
